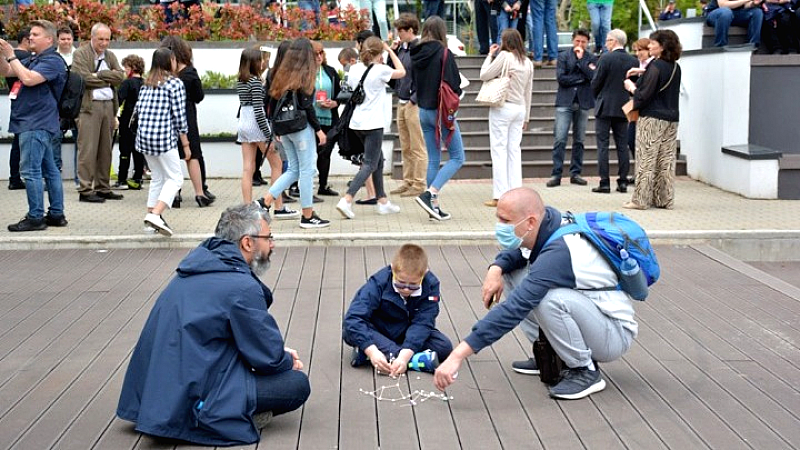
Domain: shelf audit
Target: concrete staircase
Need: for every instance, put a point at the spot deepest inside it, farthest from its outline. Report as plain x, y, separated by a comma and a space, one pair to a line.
537, 141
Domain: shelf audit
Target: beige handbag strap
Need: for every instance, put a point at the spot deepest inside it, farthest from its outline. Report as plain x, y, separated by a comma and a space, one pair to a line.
506, 63
674, 68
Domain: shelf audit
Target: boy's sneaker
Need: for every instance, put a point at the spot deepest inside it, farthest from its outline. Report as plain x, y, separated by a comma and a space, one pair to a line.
314, 222
527, 367
388, 208
426, 361
425, 201
120, 186
345, 208
135, 185
578, 383
157, 223
358, 358
286, 213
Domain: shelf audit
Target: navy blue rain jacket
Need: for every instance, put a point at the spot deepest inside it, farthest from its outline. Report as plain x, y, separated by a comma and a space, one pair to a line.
378, 306
192, 373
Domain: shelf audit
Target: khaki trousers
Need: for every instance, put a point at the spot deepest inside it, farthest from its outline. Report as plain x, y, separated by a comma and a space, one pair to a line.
95, 129
412, 146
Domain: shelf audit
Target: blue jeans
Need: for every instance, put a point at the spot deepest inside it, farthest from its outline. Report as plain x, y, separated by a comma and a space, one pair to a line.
281, 392
542, 21
600, 14
301, 153
566, 115
722, 19
504, 21
379, 8
36, 151
437, 177
432, 8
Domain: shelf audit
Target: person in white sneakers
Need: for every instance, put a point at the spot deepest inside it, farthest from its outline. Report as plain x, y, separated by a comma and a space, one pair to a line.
368, 120
162, 124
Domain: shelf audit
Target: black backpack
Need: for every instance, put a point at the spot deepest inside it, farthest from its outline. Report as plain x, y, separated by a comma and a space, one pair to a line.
69, 104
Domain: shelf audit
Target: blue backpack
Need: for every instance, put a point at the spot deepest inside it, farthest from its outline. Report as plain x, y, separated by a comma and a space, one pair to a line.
611, 232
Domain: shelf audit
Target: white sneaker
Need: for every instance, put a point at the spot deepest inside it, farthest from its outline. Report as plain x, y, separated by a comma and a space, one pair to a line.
345, 208
157, 223
388, 208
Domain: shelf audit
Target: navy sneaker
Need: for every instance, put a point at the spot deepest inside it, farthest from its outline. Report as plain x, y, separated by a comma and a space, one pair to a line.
425, 201
578, 383
426, 361
527, 367
358, 358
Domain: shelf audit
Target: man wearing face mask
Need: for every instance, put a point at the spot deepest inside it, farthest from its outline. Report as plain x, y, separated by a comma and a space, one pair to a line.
561, 286
210, 366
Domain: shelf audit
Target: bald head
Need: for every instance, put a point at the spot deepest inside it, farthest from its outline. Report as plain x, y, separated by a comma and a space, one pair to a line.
523, 202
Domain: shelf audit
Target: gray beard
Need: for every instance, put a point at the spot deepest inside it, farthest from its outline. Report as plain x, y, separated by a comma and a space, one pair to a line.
260, 264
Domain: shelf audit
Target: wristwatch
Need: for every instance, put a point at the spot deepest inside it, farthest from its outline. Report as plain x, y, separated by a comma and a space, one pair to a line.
10, 58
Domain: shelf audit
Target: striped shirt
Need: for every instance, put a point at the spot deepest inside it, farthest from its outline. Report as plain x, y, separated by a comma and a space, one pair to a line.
252, 94
162, 115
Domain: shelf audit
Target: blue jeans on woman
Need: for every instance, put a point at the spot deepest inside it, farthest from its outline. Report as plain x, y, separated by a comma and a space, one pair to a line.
301, 153
437, 177
542, 21
36, 162
600, 14
504, 21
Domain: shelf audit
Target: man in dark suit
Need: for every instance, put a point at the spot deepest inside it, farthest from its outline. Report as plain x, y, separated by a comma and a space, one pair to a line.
610, 95
574, 99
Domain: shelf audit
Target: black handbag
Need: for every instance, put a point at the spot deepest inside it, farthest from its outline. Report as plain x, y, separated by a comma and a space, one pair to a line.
133, 123
547, 360
288, 118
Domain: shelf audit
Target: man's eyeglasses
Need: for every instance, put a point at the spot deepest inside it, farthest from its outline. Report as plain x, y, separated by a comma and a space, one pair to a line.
261, 236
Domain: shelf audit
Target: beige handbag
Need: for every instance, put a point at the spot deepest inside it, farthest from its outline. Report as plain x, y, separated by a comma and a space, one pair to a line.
494, 92
633, 114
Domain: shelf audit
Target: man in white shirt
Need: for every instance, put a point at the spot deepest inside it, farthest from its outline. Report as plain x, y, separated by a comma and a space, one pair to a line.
102, 73
65, 44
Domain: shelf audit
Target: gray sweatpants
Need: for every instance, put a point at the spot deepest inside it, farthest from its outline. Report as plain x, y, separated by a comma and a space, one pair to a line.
576, 328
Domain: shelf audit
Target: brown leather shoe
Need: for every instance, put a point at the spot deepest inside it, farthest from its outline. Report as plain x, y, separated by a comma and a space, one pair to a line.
412, 193
399, 190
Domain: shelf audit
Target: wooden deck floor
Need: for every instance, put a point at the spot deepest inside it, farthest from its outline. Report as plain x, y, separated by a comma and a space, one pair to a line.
716, 364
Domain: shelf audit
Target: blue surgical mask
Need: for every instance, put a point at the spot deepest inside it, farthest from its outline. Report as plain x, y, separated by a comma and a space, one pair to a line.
506, 237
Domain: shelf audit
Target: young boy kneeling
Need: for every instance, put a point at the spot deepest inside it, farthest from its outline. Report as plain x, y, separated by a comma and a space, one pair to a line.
392, 320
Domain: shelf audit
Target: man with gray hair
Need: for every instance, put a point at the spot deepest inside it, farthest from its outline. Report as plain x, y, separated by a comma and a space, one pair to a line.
210, 366
96, 122
34, 120
610, 95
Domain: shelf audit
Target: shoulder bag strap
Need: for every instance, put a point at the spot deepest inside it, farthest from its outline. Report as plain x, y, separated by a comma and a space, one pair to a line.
674, 68
444, 62
364, 77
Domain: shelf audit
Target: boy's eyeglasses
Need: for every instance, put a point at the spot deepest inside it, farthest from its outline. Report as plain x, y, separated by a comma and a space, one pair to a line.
409, 286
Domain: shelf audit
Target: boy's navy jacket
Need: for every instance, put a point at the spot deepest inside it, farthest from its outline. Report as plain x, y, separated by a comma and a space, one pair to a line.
571, 262
378, 306
192, 373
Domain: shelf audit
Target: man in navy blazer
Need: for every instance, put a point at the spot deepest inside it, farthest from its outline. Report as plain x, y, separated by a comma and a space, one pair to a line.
574, 99
610, 94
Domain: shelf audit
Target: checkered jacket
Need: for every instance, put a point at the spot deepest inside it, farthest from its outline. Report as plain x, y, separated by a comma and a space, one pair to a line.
162, 116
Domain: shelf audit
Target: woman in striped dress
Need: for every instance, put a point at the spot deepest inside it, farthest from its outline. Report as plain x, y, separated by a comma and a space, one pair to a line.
254, 129
656, 96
